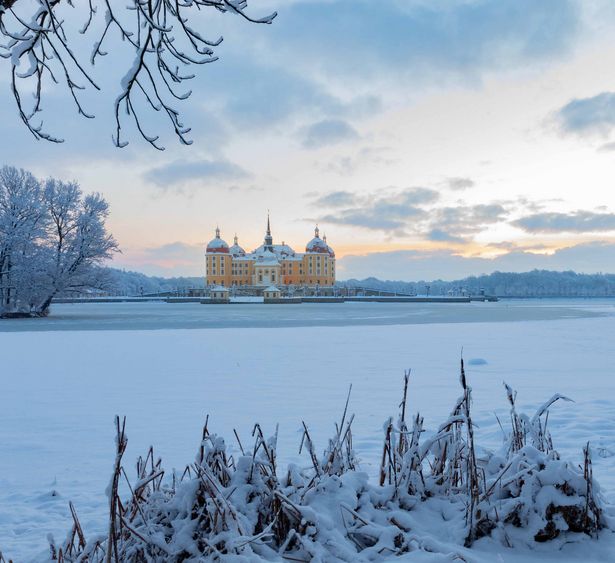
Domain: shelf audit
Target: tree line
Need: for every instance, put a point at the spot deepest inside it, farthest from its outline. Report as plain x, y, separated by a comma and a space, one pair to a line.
536, 283
53, 239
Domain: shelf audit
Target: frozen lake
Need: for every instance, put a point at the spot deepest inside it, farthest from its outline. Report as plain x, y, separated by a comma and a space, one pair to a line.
64, 378
160, 315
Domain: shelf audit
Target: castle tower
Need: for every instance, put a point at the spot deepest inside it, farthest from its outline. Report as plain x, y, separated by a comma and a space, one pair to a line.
268, 237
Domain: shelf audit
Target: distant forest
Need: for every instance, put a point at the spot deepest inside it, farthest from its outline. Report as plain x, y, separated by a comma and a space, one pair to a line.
537, 283
122, 282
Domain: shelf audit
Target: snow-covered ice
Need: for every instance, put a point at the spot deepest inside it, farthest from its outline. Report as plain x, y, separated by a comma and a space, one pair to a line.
60, 390
160, 315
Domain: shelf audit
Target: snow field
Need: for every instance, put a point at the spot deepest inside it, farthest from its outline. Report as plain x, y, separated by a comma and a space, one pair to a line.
56, 433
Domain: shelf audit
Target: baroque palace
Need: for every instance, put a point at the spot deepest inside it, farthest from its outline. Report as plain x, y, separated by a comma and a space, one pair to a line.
270, 264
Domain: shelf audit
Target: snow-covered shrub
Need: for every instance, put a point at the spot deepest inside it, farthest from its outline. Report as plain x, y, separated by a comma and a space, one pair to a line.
246, 509
528, 486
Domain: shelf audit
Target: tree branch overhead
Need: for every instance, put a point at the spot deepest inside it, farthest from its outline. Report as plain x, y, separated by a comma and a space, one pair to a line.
160, 44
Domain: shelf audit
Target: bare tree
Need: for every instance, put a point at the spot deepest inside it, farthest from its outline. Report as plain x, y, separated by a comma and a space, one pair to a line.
52, 240
162, 50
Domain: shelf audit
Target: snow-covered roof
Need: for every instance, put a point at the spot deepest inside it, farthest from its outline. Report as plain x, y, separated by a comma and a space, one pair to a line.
272, 288
270, 254
282, 251
317, 245
217, 244
267, 258
219, 288
236, 250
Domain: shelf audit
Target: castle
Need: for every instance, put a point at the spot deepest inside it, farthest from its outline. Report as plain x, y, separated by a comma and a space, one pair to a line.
270, 264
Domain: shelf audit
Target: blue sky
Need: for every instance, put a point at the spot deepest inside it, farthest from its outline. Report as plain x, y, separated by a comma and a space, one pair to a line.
426, 138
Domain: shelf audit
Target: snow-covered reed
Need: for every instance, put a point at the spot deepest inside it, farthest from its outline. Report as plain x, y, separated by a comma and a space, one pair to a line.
245, 508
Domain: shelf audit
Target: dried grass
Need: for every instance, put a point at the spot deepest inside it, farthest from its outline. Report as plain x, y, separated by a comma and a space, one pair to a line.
221, 506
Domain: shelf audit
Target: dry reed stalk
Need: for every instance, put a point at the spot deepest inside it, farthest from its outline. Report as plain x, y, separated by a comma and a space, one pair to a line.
386, 464
114, 501
307, 440
592, 513
472, 479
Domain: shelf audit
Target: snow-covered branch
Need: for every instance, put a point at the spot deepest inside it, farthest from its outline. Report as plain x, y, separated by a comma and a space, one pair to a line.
160, 46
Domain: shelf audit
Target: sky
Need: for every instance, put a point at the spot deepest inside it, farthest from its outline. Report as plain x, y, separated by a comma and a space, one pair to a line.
427, 138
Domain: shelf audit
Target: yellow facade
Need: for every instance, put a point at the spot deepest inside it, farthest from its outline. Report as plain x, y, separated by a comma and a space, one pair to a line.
269, 264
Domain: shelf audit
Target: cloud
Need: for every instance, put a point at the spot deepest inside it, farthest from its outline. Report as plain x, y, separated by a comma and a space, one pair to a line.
291, 71
244, 189
459, 183
438, 235
388, 221
268, 76
464, 220
349, 164
575, 222
416, 265
328, 132
336, 199
411, 211
382, 211
413, 38
593, 116
252, 94
181, 172
263, 92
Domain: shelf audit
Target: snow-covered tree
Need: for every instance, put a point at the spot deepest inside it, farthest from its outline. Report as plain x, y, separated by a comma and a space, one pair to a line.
160, 42
52, 240
22, 225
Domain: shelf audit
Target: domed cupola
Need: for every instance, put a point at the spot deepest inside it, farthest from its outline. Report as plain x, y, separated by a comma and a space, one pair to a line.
317, 245
236, 250
217, 245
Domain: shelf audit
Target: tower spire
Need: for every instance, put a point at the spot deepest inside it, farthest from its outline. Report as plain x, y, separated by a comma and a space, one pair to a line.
268, 237
217, 231
235, 239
